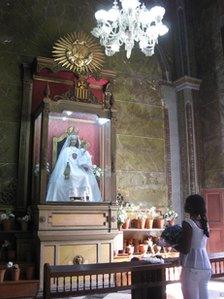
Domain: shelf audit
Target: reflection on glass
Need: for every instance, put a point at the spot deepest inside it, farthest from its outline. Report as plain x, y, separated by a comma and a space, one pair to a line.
73, 177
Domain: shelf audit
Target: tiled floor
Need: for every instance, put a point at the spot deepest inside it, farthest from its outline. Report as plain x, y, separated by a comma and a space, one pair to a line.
216, 291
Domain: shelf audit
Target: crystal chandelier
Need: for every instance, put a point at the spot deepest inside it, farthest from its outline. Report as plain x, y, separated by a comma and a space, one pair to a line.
132, 23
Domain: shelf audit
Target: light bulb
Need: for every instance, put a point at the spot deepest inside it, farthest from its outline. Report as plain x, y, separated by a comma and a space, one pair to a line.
129, 4
101, 15
162, 29
157, 13
113, 14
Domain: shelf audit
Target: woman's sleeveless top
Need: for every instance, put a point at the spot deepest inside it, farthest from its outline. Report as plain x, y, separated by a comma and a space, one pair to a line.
197, 257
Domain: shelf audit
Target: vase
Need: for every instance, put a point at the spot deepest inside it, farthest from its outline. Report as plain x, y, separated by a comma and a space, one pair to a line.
2, 275
29, 272
15, 273
158, 223
129, 249
126, 224
141, 223
143, 248
148, 223
6, 225
119, 226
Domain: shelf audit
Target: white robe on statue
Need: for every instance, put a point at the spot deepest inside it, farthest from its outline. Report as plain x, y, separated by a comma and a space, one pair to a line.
81, 181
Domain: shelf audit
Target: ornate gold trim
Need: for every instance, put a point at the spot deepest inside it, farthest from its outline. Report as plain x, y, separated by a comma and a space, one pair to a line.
52, 80
79, 53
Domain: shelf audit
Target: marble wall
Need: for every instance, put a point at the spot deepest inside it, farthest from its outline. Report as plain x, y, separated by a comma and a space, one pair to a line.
29, 29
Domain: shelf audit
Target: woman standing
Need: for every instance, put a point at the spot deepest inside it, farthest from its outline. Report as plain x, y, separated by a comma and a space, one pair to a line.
196, 267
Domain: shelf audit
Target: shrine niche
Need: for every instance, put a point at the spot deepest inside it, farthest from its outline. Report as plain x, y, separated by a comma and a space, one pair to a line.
72, 136
84, 112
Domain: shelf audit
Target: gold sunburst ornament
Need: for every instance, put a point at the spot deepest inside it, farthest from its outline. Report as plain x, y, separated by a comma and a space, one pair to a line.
79, 53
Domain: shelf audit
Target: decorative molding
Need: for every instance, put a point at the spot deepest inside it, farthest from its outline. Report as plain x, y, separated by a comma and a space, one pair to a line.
53, 80
187, 82
72, 96
44, 62
191, 148
168, 156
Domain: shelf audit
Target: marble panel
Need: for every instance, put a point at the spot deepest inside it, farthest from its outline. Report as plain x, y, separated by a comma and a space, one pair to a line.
137, 89
148, 197
8, 181
151, 180
214, 178
9, 136
147, 188
10, 68
213, 154
140, 154
139, 119
10, 105
210, 114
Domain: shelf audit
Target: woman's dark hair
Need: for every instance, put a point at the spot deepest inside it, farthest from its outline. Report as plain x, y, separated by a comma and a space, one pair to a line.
195, 205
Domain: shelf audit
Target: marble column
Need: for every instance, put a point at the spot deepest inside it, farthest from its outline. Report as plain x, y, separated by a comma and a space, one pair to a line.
187, 89
172, 148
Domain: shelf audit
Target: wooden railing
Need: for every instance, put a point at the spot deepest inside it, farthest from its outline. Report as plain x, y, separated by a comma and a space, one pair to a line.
145, 280
142, 278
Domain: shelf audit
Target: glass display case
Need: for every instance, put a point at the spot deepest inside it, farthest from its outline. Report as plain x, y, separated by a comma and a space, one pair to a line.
72, 153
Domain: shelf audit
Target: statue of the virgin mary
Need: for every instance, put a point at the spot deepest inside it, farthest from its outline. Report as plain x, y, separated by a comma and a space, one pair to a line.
73, 176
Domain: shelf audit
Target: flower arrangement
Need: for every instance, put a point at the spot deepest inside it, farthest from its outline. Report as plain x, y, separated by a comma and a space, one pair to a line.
170, 215
119, 199
151, 213
171, 235
122, 215
97, 171
25, 218
122, 211
7, 215
12, 266
5, 244
15, 271
141, 214
5, 247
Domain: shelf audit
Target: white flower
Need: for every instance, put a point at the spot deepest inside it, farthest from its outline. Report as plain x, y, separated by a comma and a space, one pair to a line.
6, 244
3, 217
7, 215
121, 214
170, 214
152, 213
9, 264
97, 171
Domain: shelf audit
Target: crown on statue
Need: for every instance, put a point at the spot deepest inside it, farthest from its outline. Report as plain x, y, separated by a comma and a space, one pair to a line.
72, 131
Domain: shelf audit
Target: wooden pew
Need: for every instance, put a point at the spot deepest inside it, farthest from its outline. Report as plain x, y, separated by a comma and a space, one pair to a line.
144, 279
